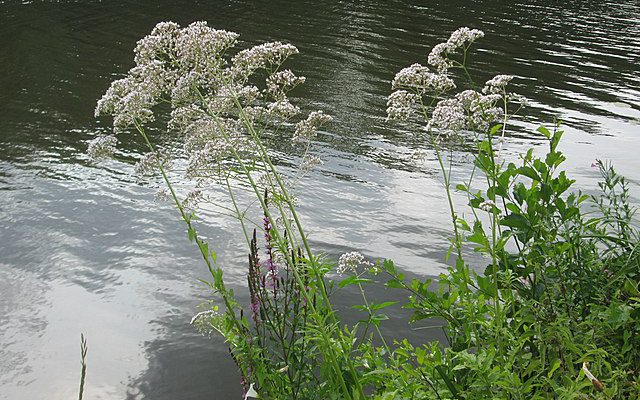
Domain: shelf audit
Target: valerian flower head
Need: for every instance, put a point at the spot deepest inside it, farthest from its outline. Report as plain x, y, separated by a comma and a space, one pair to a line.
448, 116
308, 163
350, 262
283, 109
227, 98
204, 321
148, 163
307, 128
461, 38
182, 118
497, 84
487, 205
192, 199
159, 45
102, 146
208, 149
418, 77
519, 99
212, 103
464, 37
481, 109
187, 88
282, 81
400, 104
200, 47
262, 56
130, 99
162, 194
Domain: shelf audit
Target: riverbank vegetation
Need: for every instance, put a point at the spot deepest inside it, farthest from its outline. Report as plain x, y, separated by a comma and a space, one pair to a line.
550, 311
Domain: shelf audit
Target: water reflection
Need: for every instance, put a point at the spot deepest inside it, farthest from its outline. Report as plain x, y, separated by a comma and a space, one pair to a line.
85, 248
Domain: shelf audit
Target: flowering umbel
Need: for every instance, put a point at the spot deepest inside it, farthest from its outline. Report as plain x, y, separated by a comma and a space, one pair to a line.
213, 103
418, 88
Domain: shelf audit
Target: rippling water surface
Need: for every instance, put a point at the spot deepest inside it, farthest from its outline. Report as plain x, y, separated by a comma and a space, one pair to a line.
85, 248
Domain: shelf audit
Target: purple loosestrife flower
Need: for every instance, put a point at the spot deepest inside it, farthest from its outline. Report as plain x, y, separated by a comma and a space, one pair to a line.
255, 308
272, 268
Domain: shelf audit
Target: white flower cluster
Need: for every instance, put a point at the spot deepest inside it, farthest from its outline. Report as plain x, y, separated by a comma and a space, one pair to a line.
400, 104
209, 94
204, 321
102, 146
497, 84
282, 81
306, 129
200, 48
262, 56
461, 38
487, 205
466, 110
283, 109
350, 262
192, 199
309, 162
448, 116
419, 78
148, 163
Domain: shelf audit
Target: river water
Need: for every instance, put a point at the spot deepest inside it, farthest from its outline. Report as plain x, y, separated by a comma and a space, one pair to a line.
85, 248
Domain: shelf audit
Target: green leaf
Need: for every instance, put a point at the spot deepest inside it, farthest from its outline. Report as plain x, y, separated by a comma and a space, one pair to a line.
443, 374
376, 307
545, 132
516, 221
529, 173
556, 365
389, 267
555, 140
394, 284
353, 280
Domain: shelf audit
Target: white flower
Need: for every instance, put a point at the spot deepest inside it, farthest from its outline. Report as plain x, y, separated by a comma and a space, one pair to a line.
199, 47
308, 163
497, 84
306, 129
102, 146
487, 205
282, 81
182, 118
468, 110
400, 104
148, 163
462, 37
349, 262
449, 116
283, 109
157, 45
162, 194
420, 78
519, 99
262, 56
194, 197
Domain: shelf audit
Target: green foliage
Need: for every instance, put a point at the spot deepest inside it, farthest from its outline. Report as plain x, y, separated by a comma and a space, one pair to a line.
562, 291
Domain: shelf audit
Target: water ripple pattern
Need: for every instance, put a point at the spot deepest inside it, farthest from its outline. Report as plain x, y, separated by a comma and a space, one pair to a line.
85, 248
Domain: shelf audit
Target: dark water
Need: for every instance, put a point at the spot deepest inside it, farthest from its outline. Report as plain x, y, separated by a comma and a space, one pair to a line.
85, 248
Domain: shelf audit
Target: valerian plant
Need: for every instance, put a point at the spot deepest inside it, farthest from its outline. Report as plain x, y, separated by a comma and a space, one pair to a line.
290, 343
552, 314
